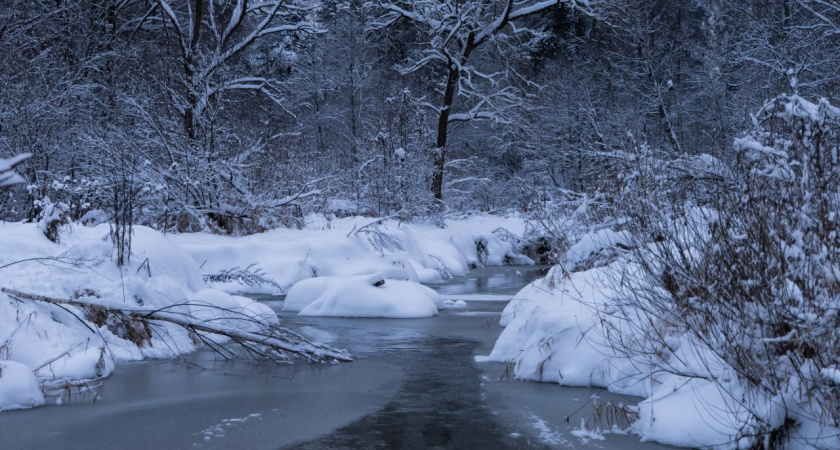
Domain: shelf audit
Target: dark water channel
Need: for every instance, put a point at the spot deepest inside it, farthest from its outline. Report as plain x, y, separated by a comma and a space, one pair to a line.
413, 384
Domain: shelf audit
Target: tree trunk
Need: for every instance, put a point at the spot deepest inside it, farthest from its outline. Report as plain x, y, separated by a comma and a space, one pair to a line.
442, 132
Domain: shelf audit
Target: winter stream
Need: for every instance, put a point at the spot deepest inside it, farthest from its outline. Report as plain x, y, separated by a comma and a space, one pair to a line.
413, 384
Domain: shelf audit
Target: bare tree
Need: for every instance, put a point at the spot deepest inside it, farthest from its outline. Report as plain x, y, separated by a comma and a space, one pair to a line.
211, 70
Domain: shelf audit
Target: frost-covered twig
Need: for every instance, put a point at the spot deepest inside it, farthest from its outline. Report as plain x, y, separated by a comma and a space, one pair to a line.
379, 240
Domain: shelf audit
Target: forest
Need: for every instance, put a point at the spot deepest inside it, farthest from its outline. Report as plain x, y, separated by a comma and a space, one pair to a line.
237, 117
686, 149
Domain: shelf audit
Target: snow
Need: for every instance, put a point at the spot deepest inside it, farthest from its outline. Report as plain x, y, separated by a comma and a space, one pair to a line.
550, 334
455, 303
594, 242
52, 343
363, 296
218, 430
7, 177
691, 412
553, 334
329, 268
547, 435
355, 246
18, 387
832, 373
478, 297
586, 434
219, 307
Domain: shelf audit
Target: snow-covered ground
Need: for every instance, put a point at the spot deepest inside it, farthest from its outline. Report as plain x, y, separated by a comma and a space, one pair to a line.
357, 267
43, 346
357, 246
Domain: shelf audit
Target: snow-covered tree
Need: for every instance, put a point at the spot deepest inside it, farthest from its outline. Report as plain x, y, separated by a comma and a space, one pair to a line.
210, 37
221, 78
457, 31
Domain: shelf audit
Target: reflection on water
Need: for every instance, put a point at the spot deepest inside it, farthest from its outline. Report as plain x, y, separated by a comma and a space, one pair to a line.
439, 406
492, 280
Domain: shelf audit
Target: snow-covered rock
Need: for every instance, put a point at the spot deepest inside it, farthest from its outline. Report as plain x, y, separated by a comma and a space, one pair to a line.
374, 295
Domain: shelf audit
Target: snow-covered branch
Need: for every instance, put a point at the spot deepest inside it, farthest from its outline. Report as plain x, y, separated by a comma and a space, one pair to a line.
7, 176
277, 339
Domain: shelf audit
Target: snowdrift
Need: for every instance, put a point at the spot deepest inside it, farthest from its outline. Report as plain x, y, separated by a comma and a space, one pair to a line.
45, 347
558, 329
384, 294
356, 246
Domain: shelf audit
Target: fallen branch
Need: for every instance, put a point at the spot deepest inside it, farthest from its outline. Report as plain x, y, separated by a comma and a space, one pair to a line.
273, 338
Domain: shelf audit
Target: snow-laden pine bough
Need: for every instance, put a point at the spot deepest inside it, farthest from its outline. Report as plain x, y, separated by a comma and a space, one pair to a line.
264, 341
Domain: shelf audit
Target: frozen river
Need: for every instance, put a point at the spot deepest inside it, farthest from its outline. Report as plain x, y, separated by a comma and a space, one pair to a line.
413, 384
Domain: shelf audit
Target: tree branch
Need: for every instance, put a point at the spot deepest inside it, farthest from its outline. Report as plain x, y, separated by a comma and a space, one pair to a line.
274, 338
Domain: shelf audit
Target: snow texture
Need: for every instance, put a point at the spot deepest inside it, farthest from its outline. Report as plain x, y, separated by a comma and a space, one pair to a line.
593, 243
18, 387
374, 295
7, 177
355, 246
48, 343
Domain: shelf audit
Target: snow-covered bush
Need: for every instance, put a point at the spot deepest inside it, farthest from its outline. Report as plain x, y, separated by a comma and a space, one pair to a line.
51, 217
632, 185
752, 281
563, 217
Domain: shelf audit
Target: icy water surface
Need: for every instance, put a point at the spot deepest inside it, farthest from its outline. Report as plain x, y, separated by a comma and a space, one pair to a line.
414, 384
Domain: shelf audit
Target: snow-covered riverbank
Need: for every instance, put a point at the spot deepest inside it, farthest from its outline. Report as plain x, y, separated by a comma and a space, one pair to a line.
414, 384
564, 329
358, 246
46, 348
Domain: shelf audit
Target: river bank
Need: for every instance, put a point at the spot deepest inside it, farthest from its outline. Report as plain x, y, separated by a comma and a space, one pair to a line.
413, 384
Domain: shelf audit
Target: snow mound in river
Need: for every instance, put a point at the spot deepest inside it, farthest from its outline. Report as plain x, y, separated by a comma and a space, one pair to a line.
384, 294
